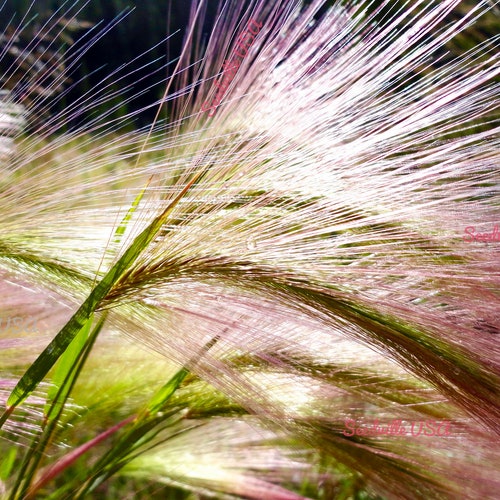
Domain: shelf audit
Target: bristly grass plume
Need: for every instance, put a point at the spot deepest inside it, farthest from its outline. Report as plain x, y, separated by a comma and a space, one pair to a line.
216, 295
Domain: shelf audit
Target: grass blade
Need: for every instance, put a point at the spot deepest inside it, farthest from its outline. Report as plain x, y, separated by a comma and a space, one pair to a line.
41, 366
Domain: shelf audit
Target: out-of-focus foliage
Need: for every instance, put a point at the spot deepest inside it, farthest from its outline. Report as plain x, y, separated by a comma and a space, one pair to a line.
33, 63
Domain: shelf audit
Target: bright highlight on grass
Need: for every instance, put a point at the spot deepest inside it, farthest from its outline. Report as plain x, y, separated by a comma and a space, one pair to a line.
217, 299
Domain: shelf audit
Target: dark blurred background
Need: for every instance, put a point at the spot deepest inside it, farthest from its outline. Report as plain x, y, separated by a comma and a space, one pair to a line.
142, 25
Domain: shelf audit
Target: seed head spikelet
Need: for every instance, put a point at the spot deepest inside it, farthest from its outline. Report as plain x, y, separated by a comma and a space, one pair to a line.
312, 223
